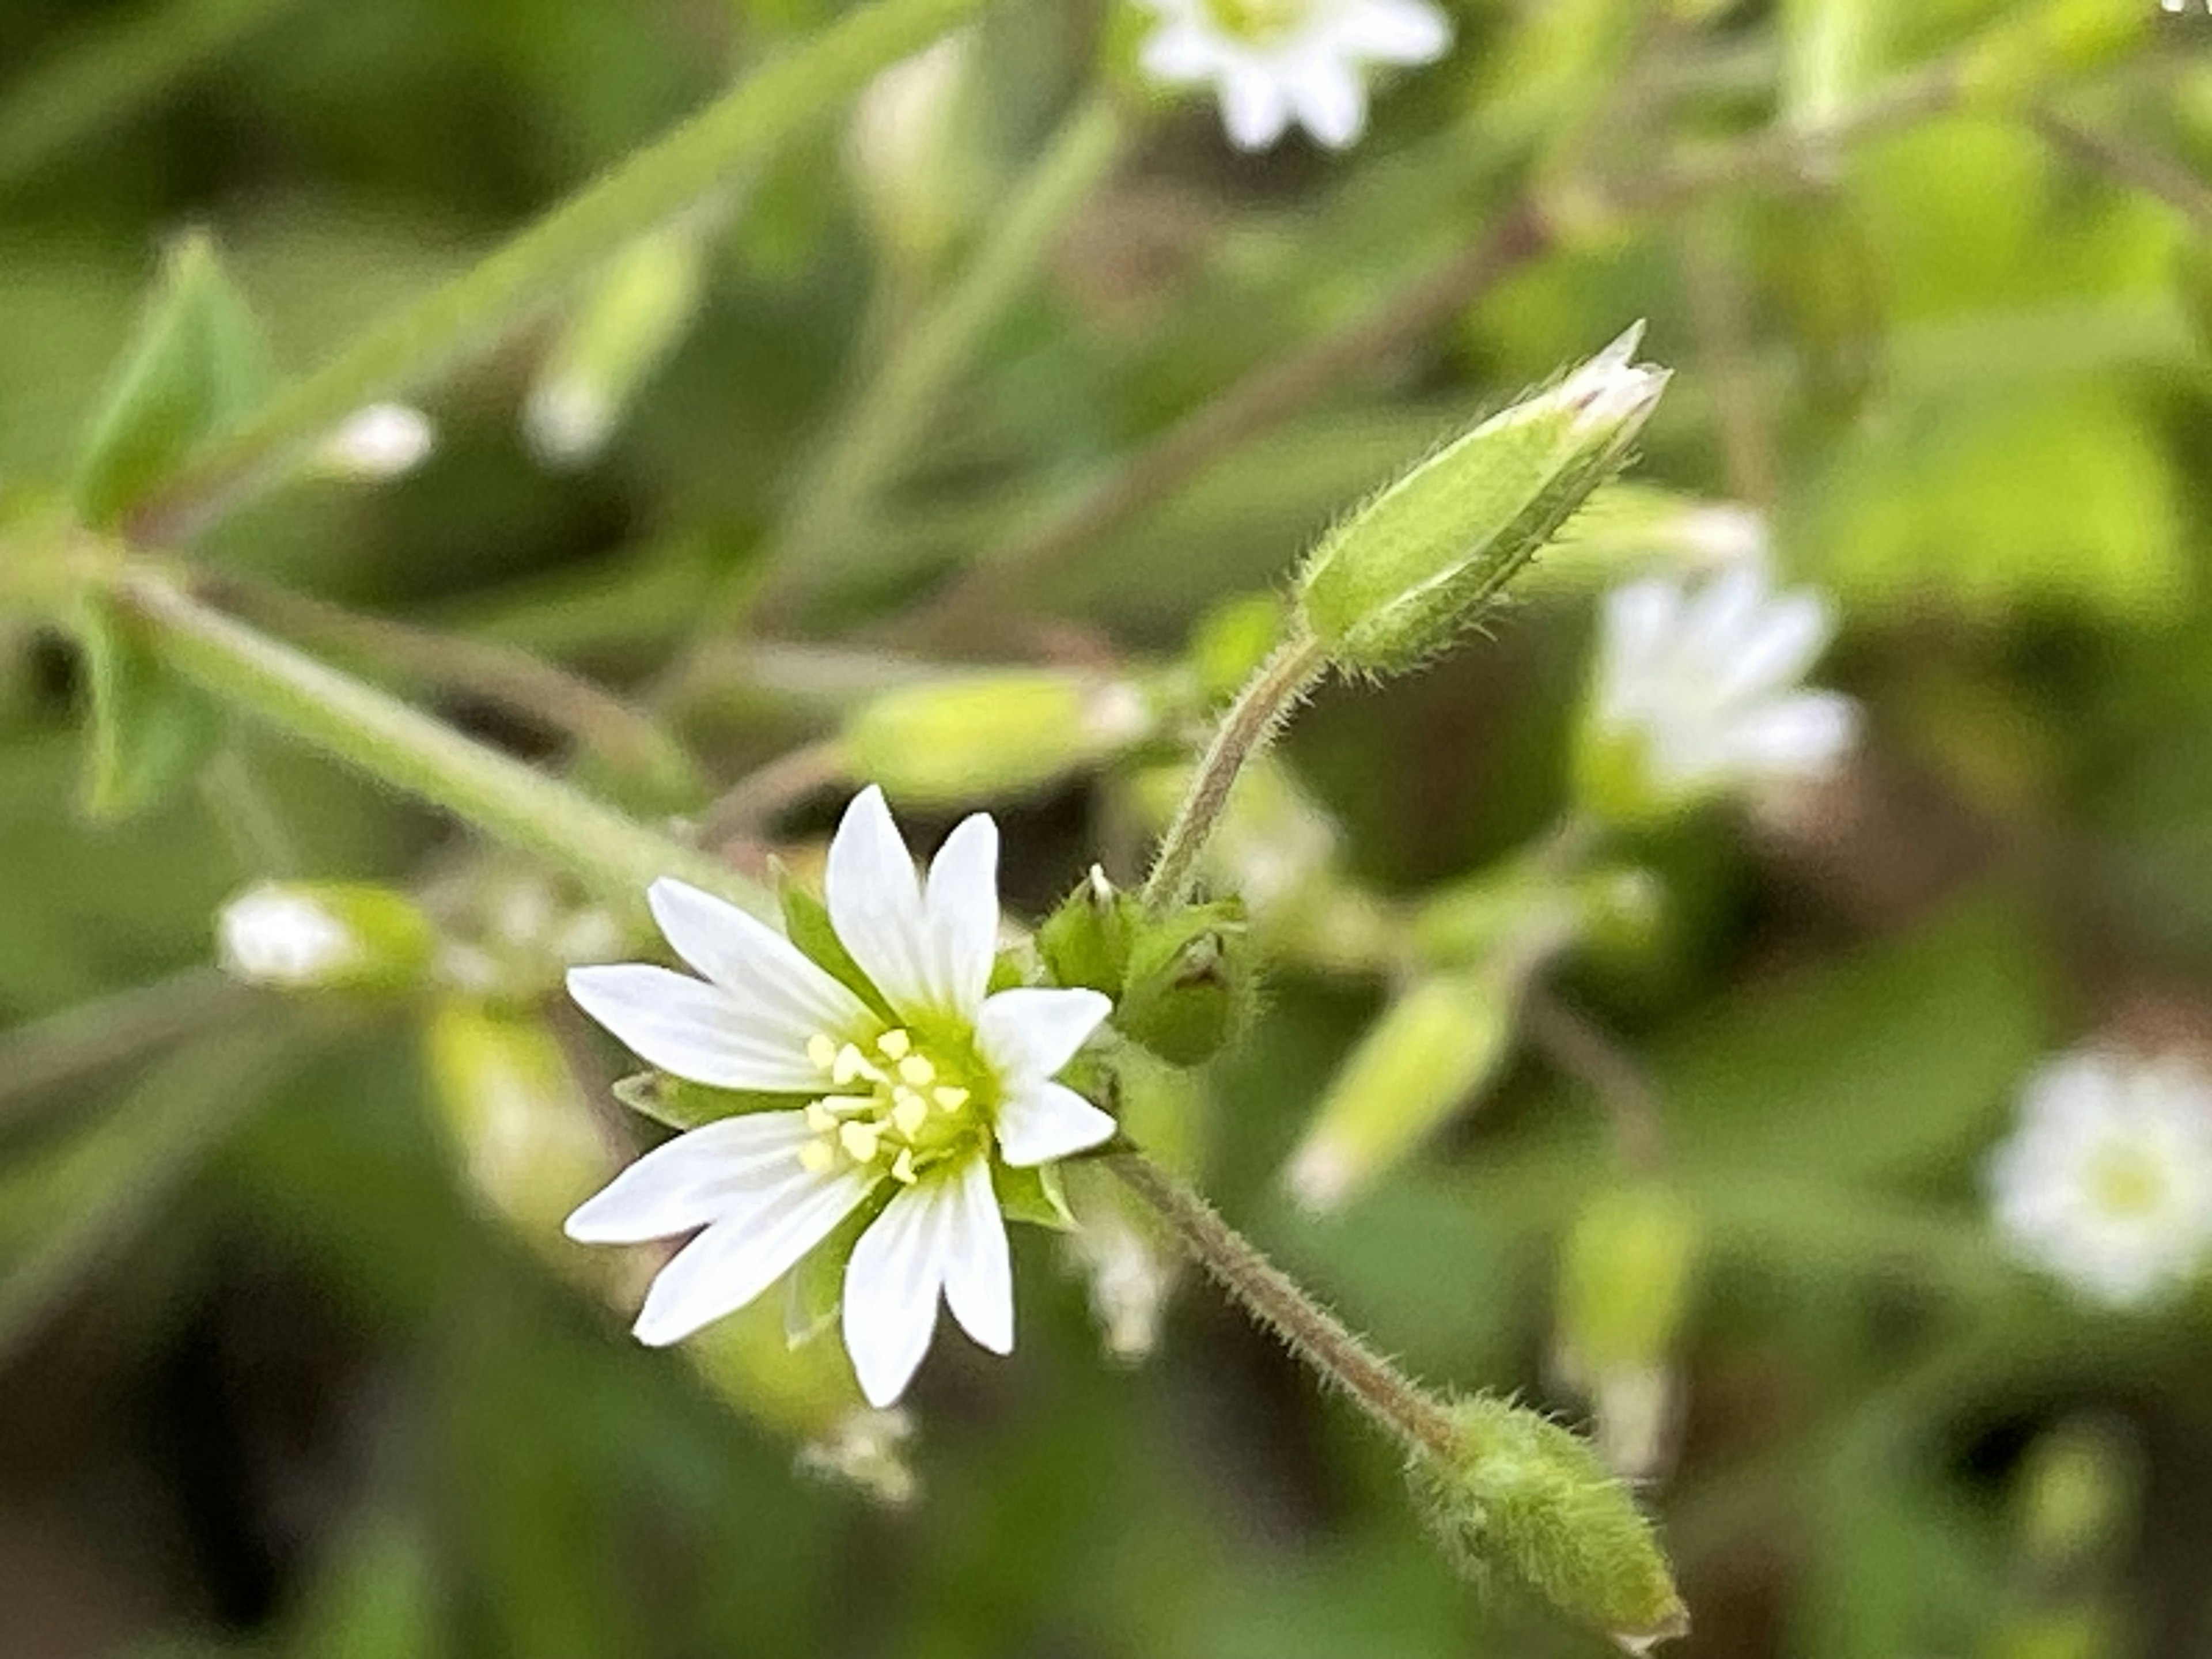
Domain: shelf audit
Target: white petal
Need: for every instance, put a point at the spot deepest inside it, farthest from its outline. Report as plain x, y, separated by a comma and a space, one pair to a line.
1253, 107
1799, 736
1329, 98
1029, 1033
691, 1030
1396, 32
979, 1275
1179, 53
1640, 619
1720, 618
780, 987
1787, 639
741, 1256
875, 902
695, 1178
961, 907
891, 1286
1048, 1120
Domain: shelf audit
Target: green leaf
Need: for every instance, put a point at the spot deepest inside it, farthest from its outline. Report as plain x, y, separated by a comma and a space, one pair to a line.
150, 730
199, 363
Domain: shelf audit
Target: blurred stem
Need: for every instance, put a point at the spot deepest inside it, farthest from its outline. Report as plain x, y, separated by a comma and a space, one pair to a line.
894, 409
112, 71
399, 746
1247, 729
1586, 1051
2148, 171
391, 357
113, 1031
1311, 1332
629, 742
762, 795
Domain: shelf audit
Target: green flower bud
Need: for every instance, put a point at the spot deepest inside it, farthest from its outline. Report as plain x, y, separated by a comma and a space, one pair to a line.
2079, 1489
324, 936
1434, 1047
1521, 1499
1625, 1279
629, 322
2038, 45
1181, 984
992, 735
524, 1134
1430, 557
1085, 942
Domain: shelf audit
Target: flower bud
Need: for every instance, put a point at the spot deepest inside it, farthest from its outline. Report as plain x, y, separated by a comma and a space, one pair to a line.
1625, 1280
992, 735
1430, 557
324, 936
1181, 984
384, 441
1520, 1497
1435, 1046
901, 153
1526, 912
624, 327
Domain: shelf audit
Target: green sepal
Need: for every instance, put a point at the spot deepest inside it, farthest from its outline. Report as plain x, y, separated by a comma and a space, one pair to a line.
199, 363
806, 922
1008, 971
151, 731
1035, 1195
1085, 942
1188, 986
814, 1291
681, 1103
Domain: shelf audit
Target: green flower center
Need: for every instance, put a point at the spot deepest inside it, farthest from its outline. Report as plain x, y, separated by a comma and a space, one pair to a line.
2127, 1181
895, 1105
1259, 21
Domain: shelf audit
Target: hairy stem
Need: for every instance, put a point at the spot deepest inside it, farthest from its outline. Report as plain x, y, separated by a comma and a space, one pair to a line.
474, 310
1247, 729
1311, 1332
409, 752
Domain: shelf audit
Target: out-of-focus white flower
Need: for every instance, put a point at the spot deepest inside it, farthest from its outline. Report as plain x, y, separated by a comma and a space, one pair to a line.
280, 936
384, 441
866, 1447
1276, 62
1696, 693
567, 420
918, 1107
2106, 1182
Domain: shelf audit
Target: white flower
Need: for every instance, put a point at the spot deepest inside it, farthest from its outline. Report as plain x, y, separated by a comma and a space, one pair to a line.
915, 1107
2107, 1181
384, 441
1700, 689
273, 935
1273, 62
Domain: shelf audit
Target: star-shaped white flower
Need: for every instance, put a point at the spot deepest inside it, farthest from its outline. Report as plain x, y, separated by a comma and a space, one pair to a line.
1699, 690
1276, 62
914, 1108
2107, 1181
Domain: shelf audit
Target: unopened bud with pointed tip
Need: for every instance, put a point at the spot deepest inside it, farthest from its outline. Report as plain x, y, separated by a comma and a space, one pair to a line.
994, 734
324, 936
1430, 557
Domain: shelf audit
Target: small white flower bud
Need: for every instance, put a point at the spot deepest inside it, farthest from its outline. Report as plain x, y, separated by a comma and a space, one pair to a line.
384, 441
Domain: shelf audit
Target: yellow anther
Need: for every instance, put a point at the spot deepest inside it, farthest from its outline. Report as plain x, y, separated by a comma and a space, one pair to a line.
860, 1141
909, 1112
822, 1050
821, 1119
895, 1043
918, 1071
850, 1064
949, 1098
817, 1155
902, 1165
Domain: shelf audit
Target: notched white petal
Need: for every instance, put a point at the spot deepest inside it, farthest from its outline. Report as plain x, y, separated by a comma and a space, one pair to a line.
979, 1275
1049, 1120
875, 902
690, 1029
961, 903
694, 1179
891, 1287
783, 989
743, 1253
1030, 1032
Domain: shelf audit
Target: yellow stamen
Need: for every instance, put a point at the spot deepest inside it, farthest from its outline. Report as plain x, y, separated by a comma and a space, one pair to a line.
949, 1098
822, 1050
918, 1071
909, 1112
850, 1064
894, 1044
860, 1141
902, 1165
821, 1119
817, 1155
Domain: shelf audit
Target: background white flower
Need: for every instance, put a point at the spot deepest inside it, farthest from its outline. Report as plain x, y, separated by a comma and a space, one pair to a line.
273, 935
916, 1107
1700, 688
2107, 1181
1275, 62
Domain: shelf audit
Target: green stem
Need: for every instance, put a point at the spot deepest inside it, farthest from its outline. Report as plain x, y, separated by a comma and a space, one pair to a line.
894, 409
1247, 729
1311, 1332
760, 112
411, 752
112, 72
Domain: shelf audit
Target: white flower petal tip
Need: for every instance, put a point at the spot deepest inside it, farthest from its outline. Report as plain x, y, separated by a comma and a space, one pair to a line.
1698, 690
383, 440
278, 936
1319, 1177
2105, 1182
898, 1098
1276, 63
